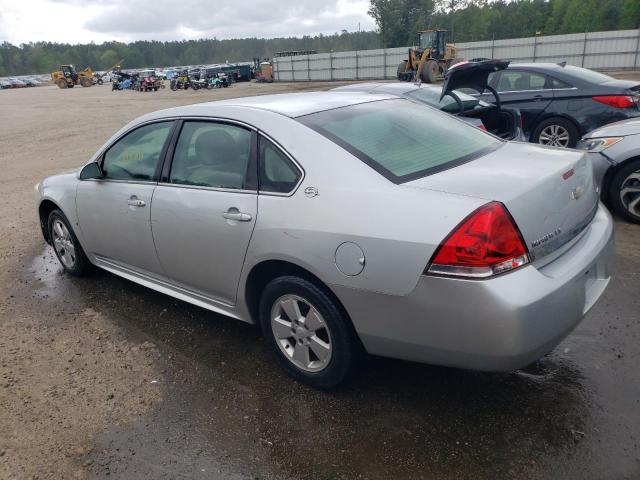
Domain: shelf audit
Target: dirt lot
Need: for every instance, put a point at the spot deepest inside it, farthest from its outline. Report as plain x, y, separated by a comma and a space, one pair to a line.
102, 377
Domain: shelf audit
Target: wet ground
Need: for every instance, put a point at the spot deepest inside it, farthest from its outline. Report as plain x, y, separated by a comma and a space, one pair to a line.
101, 377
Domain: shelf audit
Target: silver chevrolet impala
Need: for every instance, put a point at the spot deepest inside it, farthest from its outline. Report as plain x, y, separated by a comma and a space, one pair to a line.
342, 223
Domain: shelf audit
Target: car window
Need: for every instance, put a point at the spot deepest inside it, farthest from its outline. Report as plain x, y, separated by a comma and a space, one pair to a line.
400, 139
136, 156
277, 173
515, 81
210, 154
448, 104
555, 83
587, 75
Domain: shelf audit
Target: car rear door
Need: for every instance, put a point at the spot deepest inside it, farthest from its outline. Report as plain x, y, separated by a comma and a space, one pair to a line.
204, 209
114, 211
529, 92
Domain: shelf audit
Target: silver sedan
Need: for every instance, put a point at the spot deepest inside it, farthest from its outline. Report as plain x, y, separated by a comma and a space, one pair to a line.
343, 223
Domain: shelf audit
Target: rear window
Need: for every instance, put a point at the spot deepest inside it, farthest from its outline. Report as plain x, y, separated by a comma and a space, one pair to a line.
402, 140
448, 104
587, 75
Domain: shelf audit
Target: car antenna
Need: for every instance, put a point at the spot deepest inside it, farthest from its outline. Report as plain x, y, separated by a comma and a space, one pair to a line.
563, 64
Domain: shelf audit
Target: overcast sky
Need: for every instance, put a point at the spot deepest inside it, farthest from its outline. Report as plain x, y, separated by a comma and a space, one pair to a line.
83, 21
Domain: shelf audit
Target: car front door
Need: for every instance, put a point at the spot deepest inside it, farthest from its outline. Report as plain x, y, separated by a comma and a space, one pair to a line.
529, 92
205, 208
114, 211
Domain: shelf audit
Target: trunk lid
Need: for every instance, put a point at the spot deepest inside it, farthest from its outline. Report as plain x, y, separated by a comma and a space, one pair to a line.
474, 75
549, 192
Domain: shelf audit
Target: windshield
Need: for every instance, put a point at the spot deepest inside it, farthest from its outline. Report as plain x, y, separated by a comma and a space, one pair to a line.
588, 75
431, 96
427, 39
400, 139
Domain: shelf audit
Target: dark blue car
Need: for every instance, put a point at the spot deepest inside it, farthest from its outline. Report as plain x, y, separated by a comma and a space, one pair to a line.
560, 103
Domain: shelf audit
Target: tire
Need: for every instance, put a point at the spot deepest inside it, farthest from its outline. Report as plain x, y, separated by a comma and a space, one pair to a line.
100, 81
624, 191
430, 72
556, 132
209, 86
402, 68
86, 82
62, 83
74, 261
333, 336
173, 86
225, 85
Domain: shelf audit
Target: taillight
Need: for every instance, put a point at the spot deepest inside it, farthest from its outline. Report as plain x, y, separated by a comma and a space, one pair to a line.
485, 244
617, 101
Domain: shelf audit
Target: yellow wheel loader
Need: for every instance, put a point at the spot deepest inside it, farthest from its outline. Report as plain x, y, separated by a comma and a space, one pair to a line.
67, 77
428, 61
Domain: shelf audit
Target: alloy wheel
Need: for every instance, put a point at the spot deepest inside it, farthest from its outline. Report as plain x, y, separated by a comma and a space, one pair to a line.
63, 244
630, 193
301, 333
555, 136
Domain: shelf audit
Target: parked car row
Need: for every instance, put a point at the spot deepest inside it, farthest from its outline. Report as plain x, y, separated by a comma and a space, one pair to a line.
21, 82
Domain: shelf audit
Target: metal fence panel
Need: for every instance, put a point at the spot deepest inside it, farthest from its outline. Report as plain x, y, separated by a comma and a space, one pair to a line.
611, 50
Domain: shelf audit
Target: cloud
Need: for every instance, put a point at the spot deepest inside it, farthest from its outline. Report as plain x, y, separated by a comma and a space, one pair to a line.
128, 20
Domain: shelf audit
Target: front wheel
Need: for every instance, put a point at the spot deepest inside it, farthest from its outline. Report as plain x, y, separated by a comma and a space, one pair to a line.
556, 132
624, 191
66, 246
309, 333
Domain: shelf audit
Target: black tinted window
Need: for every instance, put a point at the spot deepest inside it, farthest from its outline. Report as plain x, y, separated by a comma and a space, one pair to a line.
211, 154
136, 156
277, 173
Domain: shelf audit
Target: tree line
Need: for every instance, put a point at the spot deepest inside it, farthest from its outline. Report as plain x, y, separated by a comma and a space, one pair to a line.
44, 57
398, 22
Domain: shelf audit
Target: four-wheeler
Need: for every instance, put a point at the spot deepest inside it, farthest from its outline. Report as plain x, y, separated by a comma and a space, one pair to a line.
219, 81
180, 81
68, 77
147, 81
430, 59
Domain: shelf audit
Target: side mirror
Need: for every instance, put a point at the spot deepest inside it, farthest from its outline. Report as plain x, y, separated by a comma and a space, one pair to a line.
91, 170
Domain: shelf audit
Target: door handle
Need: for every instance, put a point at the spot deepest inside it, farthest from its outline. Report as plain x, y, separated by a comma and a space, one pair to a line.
537, 98
235, 214
136, 202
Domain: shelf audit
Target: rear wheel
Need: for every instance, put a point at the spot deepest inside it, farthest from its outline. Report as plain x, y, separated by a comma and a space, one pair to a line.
402, 68
100, 81
556, 132
309, 334
624, 191
62, 83
430, 72
66, 245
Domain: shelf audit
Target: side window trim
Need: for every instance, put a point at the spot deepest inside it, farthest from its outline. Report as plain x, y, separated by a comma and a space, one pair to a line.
251, 174
163, 152
288, 156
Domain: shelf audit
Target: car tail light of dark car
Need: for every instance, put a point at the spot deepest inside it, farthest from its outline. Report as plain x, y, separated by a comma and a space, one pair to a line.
618, 101
484, 244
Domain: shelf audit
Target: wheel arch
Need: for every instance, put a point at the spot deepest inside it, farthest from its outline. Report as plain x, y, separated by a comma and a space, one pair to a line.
265, 271
44, 210
611, 172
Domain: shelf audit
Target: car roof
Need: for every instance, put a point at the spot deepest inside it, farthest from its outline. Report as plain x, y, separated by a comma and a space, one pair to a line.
396, 88
288, 104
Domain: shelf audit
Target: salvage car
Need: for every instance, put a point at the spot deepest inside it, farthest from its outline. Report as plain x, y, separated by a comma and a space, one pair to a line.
342, 221
560, 103
466, 107
615, 155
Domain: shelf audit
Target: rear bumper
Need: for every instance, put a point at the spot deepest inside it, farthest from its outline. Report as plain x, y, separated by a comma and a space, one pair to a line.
494, 325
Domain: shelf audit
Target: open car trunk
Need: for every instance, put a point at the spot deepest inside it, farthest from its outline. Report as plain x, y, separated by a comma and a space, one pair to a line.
504, 123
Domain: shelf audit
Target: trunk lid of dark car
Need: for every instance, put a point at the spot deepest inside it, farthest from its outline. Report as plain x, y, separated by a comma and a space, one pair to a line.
549, 192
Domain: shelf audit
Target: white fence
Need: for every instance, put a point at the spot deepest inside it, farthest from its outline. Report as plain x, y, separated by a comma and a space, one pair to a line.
614, 50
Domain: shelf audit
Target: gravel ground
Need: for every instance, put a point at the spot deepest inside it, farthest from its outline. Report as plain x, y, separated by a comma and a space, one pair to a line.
99, 376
